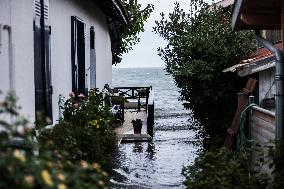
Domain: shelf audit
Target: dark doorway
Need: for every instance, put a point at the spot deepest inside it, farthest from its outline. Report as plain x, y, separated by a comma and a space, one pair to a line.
78, 32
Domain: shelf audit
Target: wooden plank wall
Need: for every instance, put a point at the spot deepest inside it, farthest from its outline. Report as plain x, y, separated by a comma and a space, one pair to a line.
262, 130
262, 125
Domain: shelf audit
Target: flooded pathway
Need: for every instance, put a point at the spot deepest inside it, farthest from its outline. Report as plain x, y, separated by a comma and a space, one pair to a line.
157, 164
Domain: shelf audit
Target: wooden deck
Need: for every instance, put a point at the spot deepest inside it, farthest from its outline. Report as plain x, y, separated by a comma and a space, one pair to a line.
125, 133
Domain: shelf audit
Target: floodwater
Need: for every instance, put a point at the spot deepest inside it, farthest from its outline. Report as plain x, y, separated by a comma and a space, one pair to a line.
157, 164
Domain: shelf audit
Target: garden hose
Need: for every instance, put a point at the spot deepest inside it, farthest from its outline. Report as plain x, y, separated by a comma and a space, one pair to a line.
242, 139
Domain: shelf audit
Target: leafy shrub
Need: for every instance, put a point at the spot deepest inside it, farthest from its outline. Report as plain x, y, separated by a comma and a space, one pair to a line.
137, 16
20, 168
85, 131
223, 169
201, 43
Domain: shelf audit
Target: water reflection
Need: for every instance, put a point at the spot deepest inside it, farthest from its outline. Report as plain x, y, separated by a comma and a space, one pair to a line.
150, 151
157, 164
138, 147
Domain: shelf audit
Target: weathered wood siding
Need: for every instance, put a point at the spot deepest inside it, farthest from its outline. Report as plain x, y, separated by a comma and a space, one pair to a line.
262, 125
262, 130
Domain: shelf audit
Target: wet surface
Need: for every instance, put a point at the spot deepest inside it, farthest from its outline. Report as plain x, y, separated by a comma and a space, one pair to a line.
157, 164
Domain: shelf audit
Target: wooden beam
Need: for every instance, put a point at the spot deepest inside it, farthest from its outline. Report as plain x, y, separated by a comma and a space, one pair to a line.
261, 20
233, 130
282, 24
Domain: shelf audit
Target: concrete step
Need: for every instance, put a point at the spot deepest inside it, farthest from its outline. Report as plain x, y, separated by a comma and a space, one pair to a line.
134, 138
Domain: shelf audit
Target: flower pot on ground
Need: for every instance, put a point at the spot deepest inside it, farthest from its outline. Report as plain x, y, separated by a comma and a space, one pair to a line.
137, 125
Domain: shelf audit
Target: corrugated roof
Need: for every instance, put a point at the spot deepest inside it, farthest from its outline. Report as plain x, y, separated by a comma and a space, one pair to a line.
261, 54
256, 57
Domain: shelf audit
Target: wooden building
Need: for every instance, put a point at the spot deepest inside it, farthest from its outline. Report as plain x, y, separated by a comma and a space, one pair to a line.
264, 16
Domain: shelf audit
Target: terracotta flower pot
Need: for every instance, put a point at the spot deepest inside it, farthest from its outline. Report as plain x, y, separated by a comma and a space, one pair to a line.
137, 125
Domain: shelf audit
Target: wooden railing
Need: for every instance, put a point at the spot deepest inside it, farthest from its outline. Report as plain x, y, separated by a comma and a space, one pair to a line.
138, 93
262, 131
135, 93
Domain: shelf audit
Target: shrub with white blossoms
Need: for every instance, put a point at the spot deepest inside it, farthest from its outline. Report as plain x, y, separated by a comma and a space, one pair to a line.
20, 168
86, 129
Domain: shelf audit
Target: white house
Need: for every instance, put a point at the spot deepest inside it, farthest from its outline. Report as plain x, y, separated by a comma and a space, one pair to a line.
52, 47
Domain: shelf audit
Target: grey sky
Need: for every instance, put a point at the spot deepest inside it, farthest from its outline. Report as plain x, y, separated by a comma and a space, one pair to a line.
144, 54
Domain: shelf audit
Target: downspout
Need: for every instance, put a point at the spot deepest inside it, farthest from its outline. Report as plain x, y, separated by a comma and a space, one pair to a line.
1, 29
11, 58
279, 77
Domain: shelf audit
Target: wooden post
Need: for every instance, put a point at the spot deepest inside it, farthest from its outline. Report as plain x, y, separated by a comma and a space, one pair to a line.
279, 163
150, 119
251, 101
234, 128
239, 98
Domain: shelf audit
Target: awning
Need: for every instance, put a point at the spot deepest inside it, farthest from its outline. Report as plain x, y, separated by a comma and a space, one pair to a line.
256, 14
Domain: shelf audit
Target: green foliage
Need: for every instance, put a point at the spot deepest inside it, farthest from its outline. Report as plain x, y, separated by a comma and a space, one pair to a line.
276, 153
85, 131
129, 35
201, 44
20, 168
223, 169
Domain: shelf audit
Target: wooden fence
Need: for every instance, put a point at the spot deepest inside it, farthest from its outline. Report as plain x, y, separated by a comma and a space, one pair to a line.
262, 131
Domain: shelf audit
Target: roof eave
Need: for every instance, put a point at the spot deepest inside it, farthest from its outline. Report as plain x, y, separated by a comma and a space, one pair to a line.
255, 15
114, 9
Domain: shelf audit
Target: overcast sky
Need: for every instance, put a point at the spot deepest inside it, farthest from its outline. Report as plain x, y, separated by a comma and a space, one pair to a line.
144, 54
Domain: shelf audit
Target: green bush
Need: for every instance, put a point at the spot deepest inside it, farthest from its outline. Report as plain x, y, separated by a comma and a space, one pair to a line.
223, 169
201, 44
86, 129
20, 168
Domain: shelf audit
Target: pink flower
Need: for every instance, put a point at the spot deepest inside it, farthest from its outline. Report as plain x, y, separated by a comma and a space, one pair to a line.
71, 94
81, 96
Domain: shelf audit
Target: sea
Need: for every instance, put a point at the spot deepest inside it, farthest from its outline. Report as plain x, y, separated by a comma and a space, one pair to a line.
157, 164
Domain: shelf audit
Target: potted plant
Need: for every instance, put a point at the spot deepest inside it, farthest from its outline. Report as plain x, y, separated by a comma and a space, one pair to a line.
137, 125
143, 92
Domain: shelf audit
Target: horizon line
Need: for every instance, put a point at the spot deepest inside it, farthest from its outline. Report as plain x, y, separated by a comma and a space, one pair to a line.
114, 67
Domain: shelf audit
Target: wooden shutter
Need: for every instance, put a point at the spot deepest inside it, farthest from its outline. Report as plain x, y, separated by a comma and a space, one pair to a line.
78, 36
42, 64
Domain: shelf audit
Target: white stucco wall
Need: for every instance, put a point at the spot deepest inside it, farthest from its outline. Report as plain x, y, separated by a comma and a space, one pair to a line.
19, 15
60, 21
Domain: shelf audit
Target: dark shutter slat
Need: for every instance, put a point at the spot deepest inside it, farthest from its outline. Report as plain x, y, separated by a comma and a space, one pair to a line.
42, 64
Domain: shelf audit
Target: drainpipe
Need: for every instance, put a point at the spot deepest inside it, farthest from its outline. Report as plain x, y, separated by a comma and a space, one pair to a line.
1, 29
11, 58
279, 77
